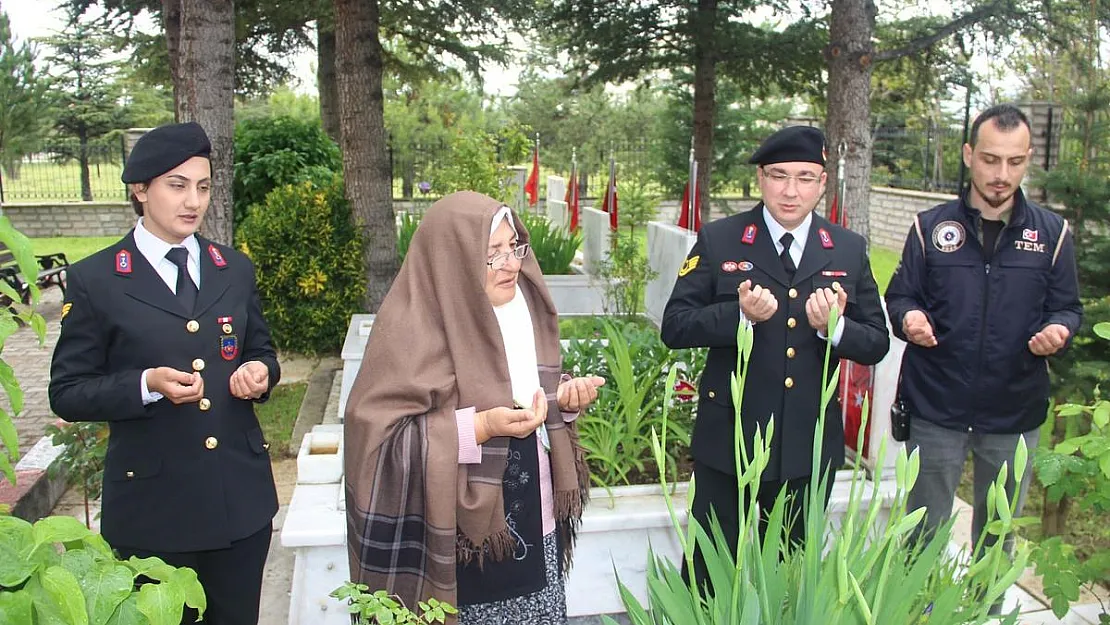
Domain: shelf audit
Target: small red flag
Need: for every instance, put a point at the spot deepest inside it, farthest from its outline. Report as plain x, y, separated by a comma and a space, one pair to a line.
684, 212
611, 190
532, 186
837, 214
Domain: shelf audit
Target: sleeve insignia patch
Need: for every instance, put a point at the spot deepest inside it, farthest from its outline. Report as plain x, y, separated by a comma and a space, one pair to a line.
689, 265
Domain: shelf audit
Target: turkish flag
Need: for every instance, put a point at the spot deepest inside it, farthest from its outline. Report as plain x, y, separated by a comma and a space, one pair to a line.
611, 190
532, 186
684, 212
856, 384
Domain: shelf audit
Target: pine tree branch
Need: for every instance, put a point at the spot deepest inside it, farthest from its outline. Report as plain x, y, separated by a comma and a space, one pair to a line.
925, 42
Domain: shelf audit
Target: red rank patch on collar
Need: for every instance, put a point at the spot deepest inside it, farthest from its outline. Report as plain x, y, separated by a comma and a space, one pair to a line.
749, 234
826, 240
123, 262
217, 257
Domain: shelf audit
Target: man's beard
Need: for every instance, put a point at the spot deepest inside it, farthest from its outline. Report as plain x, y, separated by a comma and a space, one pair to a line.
994, 201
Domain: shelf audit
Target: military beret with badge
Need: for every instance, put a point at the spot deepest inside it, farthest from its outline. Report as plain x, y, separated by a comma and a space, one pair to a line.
793, 144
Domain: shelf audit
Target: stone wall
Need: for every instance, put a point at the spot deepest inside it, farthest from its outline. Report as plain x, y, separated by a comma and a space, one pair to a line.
892, 212
71, 219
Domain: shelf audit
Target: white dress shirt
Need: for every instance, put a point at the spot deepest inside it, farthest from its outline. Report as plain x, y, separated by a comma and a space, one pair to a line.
154, 250
801, 235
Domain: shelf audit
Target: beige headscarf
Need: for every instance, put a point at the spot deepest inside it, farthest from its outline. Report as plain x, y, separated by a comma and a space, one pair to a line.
436, 347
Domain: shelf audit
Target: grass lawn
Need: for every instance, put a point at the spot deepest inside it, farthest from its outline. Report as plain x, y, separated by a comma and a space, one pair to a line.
883, 262
278, 415
75, 248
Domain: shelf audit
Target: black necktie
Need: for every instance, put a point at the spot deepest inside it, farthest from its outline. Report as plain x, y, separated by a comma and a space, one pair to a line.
787, 261
186, 288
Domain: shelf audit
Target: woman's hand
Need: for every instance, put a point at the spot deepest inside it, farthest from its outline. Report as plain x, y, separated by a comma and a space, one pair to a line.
576, 394
503, 421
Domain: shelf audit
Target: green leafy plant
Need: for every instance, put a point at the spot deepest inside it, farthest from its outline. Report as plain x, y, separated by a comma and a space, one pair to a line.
860, 571
627, 271
381, 608
553, 246
271, 152
1078, 468
409, 223
308, 258
57, 570
615, 432
84, 445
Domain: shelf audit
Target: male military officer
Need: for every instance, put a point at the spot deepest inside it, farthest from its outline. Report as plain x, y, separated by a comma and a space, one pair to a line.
780, 268
985, 293
163, 337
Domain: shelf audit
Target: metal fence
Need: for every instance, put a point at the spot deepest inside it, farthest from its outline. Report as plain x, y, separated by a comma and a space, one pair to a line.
918, 158
66, 171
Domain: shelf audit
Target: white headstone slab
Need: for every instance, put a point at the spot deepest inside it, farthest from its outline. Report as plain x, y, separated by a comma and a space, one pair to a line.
667, 249
556, 207
595, 238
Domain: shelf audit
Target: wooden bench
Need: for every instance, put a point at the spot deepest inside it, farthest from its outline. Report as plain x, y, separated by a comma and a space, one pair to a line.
52, 268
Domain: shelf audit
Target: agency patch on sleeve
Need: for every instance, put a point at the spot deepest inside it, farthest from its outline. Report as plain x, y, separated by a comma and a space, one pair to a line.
65, 309
689, 265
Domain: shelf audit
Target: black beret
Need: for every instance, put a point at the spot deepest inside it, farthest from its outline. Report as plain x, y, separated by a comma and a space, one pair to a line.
164, 148
800, 144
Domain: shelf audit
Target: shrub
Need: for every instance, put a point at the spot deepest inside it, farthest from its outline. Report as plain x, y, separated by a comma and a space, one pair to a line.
553, 246
308, 258
409, 223
275, 151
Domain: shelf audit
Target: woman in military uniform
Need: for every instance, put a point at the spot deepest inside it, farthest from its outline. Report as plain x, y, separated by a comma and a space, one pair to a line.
163, 338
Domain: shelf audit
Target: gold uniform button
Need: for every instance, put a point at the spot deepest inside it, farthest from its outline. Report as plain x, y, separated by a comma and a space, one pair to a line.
789, 382
791, 322
792, 293
790, 352
192, 326
205, 403
226, 328
198, 364
836, 286
130, 474
712, 394
211, 442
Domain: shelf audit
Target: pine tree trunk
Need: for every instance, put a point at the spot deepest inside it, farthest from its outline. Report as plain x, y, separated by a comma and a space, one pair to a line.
849, 57
326, 81
205, 94
705, 104
83, 161
366, 169
171, 22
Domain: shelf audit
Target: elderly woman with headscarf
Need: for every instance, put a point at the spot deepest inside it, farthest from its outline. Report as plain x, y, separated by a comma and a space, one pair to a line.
464, 477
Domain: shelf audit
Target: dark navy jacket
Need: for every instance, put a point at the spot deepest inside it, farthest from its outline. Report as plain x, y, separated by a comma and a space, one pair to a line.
981, 375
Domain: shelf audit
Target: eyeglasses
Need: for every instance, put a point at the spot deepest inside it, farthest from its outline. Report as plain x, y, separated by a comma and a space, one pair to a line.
497, 262
781, 179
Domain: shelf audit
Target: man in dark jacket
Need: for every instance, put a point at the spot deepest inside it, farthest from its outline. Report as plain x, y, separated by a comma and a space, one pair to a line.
985, 292
781, 268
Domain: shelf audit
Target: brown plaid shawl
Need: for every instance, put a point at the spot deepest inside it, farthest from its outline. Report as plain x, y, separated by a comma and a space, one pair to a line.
412, 510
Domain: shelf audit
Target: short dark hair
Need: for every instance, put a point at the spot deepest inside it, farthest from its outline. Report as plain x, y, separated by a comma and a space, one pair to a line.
135, 203
1006, 116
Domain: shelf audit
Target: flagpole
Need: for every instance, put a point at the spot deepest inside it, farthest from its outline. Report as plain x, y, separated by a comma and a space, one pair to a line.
612, 177
537, 161
842, 183
691, 208
573, 185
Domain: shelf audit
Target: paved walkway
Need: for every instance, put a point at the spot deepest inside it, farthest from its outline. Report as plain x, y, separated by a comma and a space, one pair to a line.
32, 369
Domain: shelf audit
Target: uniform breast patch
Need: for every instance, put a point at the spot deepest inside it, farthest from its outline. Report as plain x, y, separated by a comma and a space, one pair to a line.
949, 236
